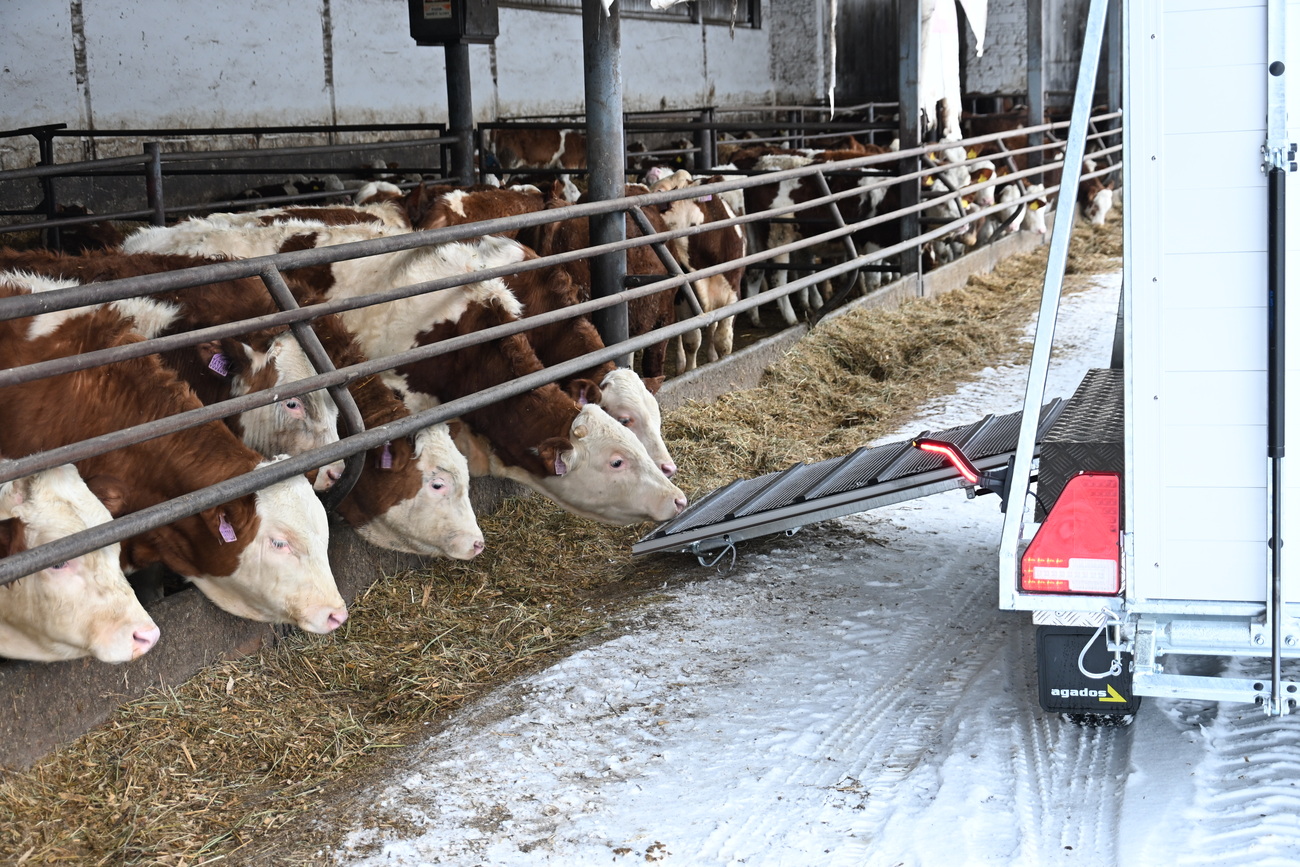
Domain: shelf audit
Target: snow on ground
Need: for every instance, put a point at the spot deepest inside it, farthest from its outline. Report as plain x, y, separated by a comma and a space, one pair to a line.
851, 696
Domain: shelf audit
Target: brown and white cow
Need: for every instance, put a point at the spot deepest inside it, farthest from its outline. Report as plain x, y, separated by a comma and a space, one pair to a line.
593, 466
261, 556
81, 607
216, 370
412, 496
627, 398
517, 148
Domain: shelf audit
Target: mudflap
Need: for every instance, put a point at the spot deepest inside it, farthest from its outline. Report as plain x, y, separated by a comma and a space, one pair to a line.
1063, 688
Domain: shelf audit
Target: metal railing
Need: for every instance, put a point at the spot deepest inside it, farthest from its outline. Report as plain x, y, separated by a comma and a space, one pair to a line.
875, 170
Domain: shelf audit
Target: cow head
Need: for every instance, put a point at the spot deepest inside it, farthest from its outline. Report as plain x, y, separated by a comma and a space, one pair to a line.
290, 426
283, 573
628, 400
436, 519
83, 607
1097, 201
602, 472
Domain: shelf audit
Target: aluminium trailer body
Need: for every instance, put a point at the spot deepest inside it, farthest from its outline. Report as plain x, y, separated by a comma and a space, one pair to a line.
1168, 544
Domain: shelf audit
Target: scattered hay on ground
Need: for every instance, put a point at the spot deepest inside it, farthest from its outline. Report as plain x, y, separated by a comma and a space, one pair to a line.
219, 765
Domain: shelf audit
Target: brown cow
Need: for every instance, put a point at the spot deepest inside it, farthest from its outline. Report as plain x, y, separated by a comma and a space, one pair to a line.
216, 370
261, 556
413, 496
542, 438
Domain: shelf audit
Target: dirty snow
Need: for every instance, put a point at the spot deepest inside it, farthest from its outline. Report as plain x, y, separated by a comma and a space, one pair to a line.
851, 696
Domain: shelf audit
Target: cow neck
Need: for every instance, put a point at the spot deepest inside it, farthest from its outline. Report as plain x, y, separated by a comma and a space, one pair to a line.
516, 425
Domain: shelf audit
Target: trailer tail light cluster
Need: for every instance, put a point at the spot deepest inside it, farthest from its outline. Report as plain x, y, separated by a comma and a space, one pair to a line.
1076, 550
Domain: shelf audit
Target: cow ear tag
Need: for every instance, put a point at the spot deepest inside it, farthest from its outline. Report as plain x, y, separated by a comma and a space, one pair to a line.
223, 527
220, 364
560, 466
386, 457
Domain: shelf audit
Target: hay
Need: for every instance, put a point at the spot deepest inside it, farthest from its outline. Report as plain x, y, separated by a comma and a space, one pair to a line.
219, 765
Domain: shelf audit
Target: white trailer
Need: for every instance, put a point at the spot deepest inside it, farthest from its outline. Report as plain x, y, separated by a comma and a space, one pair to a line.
1168, 481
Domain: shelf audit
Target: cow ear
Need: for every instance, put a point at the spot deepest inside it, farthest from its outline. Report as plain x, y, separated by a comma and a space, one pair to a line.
556, 453
111, 491
584, 391
419, 202
653, 383
11, 537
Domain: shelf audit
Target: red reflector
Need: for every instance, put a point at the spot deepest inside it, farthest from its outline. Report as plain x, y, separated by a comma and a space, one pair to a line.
1077, 548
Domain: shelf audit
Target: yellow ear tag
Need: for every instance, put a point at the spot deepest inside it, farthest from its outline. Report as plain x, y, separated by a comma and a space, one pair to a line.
972, 153
1033, 206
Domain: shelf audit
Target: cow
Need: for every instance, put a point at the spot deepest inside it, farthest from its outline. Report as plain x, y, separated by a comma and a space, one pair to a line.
542, 438
80, 607
261, 556
705, 250
517, 148
648, 312
216, 370
626, 398
412, 497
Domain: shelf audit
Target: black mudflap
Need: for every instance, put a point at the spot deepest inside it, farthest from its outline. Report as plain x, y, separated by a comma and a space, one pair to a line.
1062, 688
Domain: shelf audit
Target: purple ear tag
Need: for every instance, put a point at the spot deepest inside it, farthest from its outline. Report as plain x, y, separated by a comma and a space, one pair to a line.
227, 532
219, 364
708, 198
386, 457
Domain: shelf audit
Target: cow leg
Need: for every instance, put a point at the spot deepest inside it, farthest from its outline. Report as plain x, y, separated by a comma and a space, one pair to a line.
754, 285
722, 338
691, 349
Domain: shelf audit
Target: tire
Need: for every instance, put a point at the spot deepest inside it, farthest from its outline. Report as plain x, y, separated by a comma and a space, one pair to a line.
1100, 720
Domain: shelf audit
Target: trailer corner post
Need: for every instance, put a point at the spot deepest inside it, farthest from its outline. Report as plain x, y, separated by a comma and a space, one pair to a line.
1035, 388
603, 80
1279, 159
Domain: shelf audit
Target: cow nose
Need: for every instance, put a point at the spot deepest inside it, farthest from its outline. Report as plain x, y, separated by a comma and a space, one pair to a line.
336, 619
478, 547
669, 468
144, 639
680, 503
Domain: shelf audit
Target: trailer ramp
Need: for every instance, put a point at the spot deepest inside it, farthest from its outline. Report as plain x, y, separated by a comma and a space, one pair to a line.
867, 479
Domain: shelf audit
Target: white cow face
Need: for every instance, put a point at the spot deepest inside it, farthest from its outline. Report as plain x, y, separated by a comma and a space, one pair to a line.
295, 424
1036, 211
1095, 211
283, 574
602, 472
83, 607
628, 401
438, 520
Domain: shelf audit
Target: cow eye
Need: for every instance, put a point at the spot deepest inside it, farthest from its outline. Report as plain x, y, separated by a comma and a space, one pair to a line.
616, 463
625, 420
437, 484
292, 404
280, 544
64, 565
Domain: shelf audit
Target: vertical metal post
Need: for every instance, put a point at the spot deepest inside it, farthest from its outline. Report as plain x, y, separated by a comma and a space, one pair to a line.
603, 80
1053, 279
909, 126
153, 183
1114, 59
45, 144
460, 111
1034, 77
704, 141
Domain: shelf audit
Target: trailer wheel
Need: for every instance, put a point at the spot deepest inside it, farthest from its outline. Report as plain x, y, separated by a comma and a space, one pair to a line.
1100, 720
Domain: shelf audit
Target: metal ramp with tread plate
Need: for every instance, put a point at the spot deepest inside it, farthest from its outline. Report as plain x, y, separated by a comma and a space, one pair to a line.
866, 479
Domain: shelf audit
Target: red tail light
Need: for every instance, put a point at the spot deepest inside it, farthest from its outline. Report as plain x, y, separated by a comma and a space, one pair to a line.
1077, 548
953, 455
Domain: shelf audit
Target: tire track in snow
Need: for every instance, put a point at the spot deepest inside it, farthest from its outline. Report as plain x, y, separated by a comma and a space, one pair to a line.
1247, 807
921, 672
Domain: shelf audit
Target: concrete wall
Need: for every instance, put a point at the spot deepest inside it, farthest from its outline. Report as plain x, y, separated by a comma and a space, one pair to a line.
160, 64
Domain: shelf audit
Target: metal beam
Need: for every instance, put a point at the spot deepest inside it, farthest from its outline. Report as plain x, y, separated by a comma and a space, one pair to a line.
603, 80
909, 123
460, 112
